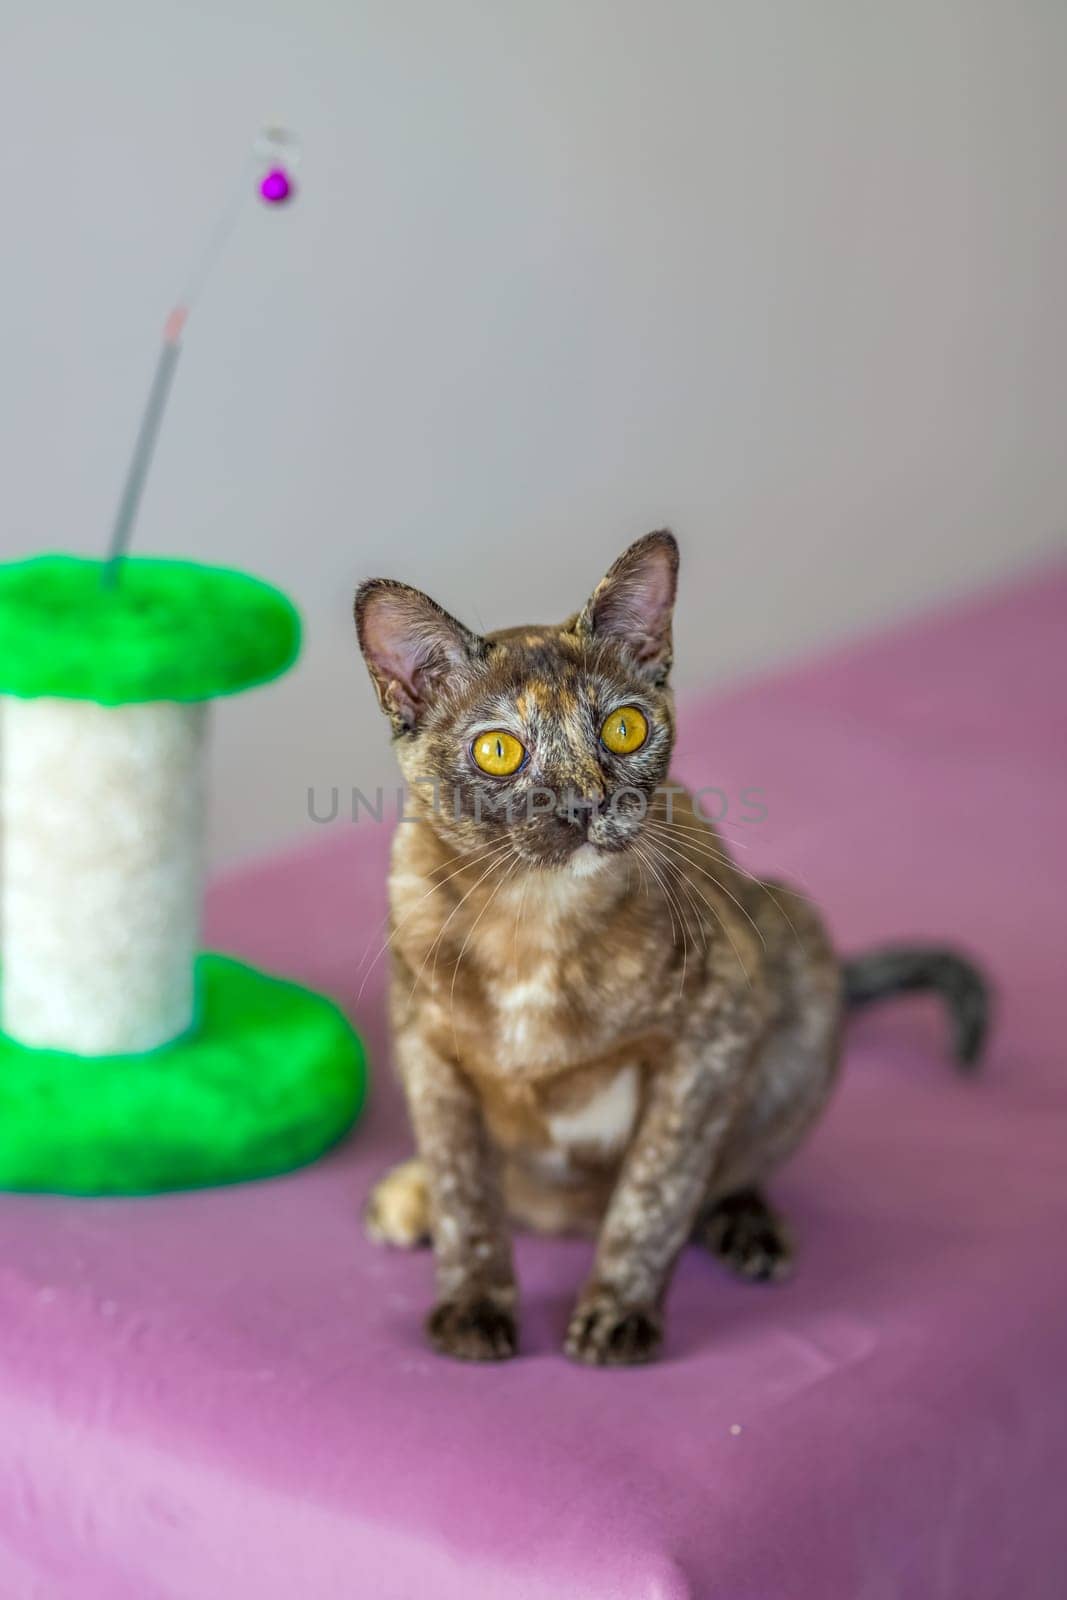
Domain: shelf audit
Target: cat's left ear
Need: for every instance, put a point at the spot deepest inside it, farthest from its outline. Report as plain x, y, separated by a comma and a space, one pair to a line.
634, 603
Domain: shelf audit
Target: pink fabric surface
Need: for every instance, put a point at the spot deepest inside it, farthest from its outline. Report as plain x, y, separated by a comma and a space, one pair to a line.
226, 1393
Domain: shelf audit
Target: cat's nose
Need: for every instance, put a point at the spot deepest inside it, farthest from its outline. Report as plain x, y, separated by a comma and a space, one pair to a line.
580, 808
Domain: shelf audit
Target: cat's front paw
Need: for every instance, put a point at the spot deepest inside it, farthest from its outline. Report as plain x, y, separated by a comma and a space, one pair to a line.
476, 1328
605, 1332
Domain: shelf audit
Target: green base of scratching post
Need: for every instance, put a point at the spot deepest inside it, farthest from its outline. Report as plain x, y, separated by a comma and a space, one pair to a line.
271, 1076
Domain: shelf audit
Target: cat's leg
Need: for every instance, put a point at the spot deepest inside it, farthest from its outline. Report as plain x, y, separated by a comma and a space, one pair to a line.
474, 1319
691, 1104
397, 1212
747, 1235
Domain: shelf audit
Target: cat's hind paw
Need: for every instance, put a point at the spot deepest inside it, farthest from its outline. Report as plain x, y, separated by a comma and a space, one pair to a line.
398, 1210
747, 1236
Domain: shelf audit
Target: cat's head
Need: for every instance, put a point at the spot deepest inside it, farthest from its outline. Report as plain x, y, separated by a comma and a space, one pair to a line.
550, 739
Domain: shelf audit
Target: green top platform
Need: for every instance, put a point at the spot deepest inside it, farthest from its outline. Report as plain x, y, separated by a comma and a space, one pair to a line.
163, 630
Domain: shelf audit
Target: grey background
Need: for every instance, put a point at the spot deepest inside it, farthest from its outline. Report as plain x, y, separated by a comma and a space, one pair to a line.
790, 277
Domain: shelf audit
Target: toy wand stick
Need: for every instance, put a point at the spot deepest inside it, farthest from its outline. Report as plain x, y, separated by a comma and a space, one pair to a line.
274, 154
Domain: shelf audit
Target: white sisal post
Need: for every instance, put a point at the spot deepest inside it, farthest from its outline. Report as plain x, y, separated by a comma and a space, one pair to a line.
101, 814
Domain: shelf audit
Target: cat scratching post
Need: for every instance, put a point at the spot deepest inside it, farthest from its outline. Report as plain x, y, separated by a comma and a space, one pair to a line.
102, 812
127, 1061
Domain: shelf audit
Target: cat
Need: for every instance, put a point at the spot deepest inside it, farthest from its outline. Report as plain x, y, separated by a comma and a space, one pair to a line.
602, 1023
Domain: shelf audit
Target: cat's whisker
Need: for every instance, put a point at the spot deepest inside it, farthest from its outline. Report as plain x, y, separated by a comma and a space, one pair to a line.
764, 888
701, 846
723, 822
680, 883
684, 886
469, 861
466, 861
672, 901
707, 834
710, 824
697, 843
520, 907
470, 934
642, 880
722, 924
734, 843
659, 881
498, 860
680, 855
441, 865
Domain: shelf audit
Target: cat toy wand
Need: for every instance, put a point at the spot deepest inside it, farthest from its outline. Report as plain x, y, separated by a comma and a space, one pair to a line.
272, 160
161, 1065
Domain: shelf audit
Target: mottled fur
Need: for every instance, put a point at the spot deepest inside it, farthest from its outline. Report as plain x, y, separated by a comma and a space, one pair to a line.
602, 1023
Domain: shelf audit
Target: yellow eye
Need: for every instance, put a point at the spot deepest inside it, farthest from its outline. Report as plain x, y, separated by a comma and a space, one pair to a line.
498, 753
625, 731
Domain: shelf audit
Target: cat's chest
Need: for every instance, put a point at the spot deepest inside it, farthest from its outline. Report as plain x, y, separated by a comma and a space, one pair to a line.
543, 977
537, 968
554, 1010
583, 1112
552, 1015
551, 1042
535, 1017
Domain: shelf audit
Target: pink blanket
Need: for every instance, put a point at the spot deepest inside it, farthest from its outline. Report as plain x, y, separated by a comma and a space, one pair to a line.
226, 1394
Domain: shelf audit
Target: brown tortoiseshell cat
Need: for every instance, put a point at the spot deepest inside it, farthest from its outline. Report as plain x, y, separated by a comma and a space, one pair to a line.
602, 1023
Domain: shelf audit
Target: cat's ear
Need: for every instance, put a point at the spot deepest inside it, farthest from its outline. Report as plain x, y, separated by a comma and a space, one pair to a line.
635, 602
411, 646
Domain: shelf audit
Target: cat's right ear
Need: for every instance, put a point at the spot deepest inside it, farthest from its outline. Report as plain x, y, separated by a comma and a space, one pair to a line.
411, 647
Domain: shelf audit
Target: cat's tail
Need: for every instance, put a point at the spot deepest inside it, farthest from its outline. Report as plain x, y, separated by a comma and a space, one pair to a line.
900, 969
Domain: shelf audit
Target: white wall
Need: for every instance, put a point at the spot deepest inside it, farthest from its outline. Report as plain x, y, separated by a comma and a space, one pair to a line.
790, 275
